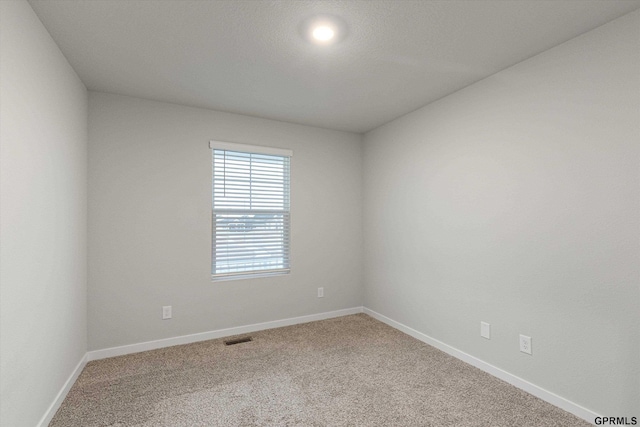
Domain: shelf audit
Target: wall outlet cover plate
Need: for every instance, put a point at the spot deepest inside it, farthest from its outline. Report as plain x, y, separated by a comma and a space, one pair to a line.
525, 344
485, 330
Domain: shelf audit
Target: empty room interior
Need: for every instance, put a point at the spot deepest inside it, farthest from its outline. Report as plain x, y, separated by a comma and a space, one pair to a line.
319, 213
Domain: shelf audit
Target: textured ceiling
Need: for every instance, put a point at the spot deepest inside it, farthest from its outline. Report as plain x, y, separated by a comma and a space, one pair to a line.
249, 57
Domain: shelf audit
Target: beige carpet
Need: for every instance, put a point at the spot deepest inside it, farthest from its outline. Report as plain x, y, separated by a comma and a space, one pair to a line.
348, 371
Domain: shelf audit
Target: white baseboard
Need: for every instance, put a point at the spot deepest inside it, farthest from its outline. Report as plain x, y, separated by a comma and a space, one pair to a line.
530, 388
220, 333
53, 408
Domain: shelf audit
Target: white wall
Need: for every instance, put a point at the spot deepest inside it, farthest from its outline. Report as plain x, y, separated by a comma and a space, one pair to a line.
516, 201
43, 213
150, 222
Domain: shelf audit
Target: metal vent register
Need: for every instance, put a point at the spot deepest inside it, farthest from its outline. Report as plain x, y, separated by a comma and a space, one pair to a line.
237, 341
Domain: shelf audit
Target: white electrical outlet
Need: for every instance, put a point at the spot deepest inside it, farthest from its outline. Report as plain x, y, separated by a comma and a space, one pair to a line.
485, 330
166, 312
320, 292
525, 344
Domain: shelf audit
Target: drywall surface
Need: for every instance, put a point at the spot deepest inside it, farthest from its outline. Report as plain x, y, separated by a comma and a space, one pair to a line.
43, 217
515, 201
150, 222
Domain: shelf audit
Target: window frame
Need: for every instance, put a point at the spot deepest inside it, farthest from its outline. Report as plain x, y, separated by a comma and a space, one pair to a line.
285, 212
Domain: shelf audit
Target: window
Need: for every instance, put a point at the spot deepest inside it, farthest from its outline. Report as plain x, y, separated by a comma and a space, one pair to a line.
250, 215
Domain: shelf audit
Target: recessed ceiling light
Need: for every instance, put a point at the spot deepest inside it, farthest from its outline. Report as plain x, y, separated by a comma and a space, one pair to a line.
323, 33
323, 29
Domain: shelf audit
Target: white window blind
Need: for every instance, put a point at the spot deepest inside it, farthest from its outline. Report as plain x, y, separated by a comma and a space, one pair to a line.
251, 211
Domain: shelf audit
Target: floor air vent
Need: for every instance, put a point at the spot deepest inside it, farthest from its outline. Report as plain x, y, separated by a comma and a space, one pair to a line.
237, 341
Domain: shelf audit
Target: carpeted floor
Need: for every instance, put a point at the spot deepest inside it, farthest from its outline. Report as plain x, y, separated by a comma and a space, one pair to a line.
347, 371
